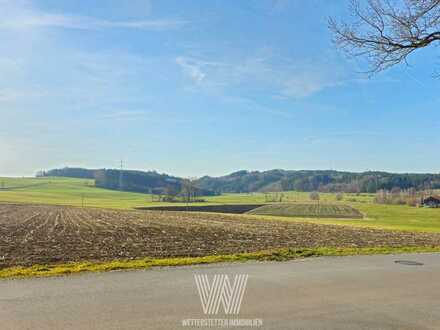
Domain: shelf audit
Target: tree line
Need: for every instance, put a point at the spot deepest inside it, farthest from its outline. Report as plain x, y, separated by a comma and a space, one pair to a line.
322, 181
252, 181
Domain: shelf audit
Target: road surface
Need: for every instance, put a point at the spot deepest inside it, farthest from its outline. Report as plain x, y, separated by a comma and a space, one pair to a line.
362, 292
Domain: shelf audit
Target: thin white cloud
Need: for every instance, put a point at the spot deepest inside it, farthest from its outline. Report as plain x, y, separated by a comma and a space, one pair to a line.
135, 114
23, 14
343, 135
192, 68
9, 95
304, 85
76, 78
44, 20
9, 66
281, 78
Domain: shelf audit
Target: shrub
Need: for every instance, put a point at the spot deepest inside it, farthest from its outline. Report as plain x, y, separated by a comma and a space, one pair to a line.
314, 196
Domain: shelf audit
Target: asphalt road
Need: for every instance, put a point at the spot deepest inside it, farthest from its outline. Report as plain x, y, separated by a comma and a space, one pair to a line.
368, 292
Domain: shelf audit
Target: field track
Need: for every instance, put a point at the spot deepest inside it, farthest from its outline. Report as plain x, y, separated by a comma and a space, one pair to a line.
38, 234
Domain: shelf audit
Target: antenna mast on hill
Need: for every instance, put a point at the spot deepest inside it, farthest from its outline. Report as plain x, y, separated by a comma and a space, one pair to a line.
120, 175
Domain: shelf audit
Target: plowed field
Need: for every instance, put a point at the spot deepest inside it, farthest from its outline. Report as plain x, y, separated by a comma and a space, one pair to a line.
37, 234
308, 211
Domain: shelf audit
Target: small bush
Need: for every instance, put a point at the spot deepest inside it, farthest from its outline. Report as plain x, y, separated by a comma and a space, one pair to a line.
314, 196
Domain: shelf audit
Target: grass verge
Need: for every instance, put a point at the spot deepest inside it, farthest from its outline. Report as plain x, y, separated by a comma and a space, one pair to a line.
270, 255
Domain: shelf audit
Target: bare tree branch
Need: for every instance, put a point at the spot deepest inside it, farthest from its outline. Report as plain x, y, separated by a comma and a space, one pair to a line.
386, 32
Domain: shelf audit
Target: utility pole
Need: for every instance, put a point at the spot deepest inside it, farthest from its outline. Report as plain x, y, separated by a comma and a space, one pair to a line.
120, 175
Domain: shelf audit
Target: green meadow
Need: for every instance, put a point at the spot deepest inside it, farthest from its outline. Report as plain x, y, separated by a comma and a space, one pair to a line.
78, 192
67, 191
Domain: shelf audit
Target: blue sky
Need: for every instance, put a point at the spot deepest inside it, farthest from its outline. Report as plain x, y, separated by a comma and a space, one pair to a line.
204, 87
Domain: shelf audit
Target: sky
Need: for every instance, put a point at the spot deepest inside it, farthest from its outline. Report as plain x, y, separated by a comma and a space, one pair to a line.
194, 88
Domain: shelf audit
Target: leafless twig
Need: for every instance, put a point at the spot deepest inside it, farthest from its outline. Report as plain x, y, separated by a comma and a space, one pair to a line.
386, 32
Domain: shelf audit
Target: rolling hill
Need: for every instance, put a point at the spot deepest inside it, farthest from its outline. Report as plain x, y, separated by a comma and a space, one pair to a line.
67, 191
253, 181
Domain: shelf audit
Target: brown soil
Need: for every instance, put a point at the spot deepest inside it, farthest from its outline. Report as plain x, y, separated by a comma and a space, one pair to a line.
37, 234
221, 208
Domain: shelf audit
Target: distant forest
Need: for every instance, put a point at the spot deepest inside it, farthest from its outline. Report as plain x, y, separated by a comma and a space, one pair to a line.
133, 181
252, 181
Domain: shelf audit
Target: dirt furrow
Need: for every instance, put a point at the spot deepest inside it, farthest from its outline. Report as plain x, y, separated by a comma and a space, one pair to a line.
32, 234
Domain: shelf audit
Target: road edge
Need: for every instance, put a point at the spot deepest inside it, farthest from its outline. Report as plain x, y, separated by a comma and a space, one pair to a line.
282, 254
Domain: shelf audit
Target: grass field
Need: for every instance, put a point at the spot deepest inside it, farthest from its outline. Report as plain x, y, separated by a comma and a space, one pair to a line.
289, 197
66, 191
309, 210
69, 191
395, 217
50, 240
